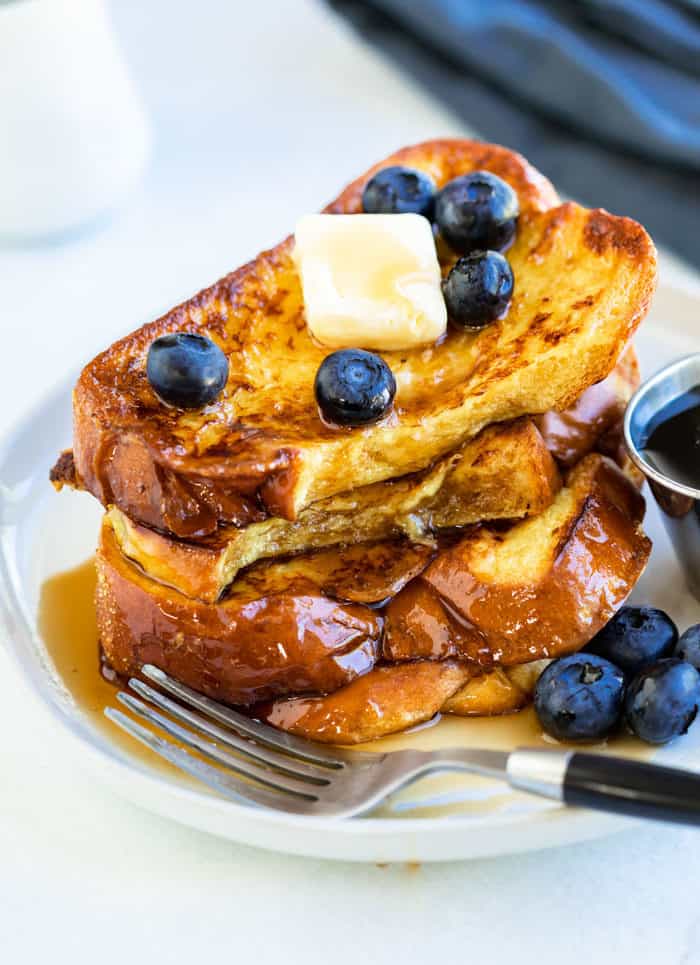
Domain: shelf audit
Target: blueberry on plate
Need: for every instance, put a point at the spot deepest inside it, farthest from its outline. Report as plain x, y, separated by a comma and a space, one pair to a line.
399, 190
478, 289
579, 698
688, 647
354, 387
635, 638
186, 370
662, 700
477, 211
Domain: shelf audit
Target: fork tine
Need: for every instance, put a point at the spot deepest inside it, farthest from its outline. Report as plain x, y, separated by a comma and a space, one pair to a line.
264, 734
224, 783
293, 767
276, 781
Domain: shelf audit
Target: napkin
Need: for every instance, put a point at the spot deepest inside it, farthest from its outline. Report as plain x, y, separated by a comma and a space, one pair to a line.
602, 95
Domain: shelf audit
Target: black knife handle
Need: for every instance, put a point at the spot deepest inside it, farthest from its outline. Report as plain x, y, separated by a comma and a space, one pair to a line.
613, 784
633, 788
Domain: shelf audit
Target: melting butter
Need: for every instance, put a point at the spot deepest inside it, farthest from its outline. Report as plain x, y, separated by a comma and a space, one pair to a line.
370, 280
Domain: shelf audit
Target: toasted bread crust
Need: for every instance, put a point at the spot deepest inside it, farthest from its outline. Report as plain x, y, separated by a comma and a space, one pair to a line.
384, 701
583, 282
447, 158
594, 422
63, 472
488, 695
282, 630
540, 590
391, 698
504, 690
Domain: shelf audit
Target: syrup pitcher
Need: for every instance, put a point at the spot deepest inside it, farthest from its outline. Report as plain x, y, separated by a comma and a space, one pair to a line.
73, 135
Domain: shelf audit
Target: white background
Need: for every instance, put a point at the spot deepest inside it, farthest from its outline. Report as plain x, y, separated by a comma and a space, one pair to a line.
261, 112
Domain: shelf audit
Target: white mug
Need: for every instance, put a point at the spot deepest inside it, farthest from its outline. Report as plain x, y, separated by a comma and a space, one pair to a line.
73, 134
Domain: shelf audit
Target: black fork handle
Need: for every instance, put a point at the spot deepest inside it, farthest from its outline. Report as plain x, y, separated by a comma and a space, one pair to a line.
613, 784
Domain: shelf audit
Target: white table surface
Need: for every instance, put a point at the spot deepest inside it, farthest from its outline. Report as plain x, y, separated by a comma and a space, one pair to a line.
260, 113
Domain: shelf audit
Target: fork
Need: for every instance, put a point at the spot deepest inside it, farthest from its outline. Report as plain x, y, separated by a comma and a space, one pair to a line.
258, 764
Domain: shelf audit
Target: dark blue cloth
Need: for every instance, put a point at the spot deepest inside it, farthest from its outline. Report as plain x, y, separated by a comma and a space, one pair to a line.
602, 95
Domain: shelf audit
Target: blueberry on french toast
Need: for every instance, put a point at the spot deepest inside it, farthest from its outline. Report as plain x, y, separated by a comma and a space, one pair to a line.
478, 289
354, 388
399, 190
186, 370
477, 211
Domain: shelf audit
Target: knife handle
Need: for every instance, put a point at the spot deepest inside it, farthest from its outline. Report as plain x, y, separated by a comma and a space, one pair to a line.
613, 784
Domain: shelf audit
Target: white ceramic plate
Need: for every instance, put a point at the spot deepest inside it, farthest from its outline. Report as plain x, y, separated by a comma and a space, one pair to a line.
44, 533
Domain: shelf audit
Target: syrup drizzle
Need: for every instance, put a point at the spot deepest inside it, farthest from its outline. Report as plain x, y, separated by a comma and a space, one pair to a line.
68, 627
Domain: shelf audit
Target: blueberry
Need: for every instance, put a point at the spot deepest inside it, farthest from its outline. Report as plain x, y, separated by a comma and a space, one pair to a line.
478, 289
662, 700
353, 387
636, 637
688, 647
398, 190
185, 370
579, 698
477, 211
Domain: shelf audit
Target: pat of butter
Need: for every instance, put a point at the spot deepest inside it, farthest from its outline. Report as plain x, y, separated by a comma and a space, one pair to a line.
370, 280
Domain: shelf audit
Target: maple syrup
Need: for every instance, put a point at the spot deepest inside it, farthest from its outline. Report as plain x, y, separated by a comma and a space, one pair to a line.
673, 439
664, 438
68, 627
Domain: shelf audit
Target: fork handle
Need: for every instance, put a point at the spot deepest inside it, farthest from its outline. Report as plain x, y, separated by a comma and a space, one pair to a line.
608, 784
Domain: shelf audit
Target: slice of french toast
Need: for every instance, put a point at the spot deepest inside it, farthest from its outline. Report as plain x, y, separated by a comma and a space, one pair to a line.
583, 281
500, 691
595, 421
297, 626
506, 600
540, 589
384, 701
306, 626
392, 697
506, 472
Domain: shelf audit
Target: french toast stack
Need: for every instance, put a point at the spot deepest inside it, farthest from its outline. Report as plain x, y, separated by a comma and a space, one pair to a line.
345, 584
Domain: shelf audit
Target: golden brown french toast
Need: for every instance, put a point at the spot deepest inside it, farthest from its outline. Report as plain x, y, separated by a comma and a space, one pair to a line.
500, 691
304, 627
220, 662
594, 422
583, 282
393, 697
541, 589
287, 627
508, 471
386, 700
508, 600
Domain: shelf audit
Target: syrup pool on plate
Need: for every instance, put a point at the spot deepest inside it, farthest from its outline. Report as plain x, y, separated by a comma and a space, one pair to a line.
68, 628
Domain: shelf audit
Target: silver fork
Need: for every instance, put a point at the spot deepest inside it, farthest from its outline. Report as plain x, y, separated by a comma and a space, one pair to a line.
257, 764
